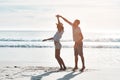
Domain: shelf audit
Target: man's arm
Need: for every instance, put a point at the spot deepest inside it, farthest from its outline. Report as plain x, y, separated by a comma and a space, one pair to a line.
81, 38
65, 20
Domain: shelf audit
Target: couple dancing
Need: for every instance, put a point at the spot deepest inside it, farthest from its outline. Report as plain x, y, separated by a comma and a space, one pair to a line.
78, 46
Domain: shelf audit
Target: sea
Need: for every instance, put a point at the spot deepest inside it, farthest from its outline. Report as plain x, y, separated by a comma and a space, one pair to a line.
18, 21
33, 39
27, 48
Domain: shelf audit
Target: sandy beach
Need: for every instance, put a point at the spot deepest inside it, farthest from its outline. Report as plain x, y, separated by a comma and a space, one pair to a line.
25, 23
101, 64
50, 73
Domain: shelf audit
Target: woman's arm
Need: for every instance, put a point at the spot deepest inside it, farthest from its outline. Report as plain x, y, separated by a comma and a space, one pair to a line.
58, 19
47, 39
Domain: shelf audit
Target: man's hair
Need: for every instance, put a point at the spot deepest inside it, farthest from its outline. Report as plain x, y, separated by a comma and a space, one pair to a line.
78, 21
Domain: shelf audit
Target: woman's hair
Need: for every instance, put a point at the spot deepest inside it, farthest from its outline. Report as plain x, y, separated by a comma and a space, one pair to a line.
60, 26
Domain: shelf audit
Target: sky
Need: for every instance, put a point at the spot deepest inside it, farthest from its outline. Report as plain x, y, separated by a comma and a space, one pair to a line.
95, 15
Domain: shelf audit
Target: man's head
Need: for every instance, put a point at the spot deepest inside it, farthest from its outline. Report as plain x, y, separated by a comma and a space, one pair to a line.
76, 23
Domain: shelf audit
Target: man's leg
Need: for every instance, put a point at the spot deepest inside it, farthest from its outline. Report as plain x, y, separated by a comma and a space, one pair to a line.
76, 59
82, 57
83, 63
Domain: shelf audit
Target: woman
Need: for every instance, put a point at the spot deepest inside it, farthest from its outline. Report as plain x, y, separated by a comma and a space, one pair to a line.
57, 43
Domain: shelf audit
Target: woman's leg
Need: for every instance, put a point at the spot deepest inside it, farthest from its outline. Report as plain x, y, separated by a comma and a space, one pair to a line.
57, 54
61, 62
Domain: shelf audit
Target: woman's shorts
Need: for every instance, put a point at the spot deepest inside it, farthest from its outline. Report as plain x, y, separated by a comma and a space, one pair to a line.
57, 45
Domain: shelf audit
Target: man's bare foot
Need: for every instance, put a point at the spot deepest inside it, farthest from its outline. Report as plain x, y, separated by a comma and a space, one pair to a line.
82, 69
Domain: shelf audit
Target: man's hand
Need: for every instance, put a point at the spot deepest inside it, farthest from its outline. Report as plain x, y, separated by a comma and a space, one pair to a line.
76, 45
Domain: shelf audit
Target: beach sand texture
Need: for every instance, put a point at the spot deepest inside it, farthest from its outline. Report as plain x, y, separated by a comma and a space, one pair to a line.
101, 64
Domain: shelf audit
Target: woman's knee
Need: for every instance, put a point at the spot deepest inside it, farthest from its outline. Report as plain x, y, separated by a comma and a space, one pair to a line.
57, 56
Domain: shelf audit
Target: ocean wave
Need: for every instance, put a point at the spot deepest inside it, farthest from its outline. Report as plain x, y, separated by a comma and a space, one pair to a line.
20, 40
69, 40
24, 46
64, 46
103, 40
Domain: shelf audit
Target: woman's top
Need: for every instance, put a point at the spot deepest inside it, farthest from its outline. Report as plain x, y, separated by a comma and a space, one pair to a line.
58, 36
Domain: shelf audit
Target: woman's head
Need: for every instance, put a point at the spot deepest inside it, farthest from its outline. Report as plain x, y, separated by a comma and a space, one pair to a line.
60, 27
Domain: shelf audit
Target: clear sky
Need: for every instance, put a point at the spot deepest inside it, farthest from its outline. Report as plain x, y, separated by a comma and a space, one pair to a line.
95, 15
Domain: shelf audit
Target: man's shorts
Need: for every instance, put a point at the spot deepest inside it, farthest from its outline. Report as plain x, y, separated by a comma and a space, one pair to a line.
57, 45
79, 49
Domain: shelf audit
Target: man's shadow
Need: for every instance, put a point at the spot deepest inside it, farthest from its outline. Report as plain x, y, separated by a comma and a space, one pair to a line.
39, 77
69, 76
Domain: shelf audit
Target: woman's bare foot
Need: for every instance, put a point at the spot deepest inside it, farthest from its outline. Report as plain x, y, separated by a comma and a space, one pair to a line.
75, 69
82, 69
64, 68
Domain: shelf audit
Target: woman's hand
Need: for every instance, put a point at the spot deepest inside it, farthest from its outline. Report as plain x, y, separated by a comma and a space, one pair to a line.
58, 16
44, 40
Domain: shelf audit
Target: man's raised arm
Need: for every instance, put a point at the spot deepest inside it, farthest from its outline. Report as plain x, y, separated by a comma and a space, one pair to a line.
65, 20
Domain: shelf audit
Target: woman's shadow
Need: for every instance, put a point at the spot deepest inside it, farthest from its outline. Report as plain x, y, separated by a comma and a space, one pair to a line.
39, 77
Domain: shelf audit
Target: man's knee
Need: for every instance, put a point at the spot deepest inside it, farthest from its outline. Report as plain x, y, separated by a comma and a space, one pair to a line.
81, 54
75, 54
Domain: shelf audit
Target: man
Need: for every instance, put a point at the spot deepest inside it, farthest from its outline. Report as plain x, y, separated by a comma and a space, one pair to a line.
78, 46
